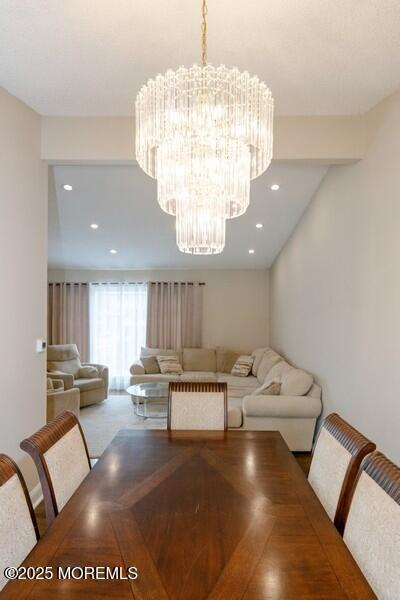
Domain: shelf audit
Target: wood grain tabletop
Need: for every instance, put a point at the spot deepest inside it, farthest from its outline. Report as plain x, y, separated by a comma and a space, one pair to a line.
199, 515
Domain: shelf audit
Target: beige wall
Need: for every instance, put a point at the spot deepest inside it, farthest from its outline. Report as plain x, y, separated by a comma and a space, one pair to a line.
23, 235
335, 288
235, 301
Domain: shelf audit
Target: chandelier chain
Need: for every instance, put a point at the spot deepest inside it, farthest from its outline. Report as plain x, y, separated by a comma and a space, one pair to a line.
204, 11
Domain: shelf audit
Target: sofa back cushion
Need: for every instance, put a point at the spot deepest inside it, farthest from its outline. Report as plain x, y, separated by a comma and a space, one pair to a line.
144, 352
269, 359
226, 359
199, 359
64, 358
277, 371
257, 355
296, 382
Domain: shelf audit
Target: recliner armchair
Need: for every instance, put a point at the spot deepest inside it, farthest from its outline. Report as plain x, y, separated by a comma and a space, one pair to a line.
59, 400
63, 362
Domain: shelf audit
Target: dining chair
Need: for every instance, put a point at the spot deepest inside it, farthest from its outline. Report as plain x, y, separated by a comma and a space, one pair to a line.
61, 457
18, 527
197, 405
336, 459
372, 529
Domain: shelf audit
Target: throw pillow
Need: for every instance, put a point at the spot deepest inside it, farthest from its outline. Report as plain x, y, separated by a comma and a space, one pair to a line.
169, 365
226, 360
88, 372
242, 366
150, 364
272, 389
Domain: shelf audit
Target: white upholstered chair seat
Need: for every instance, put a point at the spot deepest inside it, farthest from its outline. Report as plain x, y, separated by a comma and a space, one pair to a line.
18, 529
372, 530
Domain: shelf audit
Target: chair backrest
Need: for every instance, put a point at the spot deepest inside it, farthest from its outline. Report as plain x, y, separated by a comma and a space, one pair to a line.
61, 457
64, 358
372, 530
336, 459
18, 528
197, 405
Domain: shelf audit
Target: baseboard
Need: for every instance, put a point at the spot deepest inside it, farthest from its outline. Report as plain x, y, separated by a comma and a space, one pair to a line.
36, 495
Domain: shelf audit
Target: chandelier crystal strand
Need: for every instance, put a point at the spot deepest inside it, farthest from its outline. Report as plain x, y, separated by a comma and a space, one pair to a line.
204, 132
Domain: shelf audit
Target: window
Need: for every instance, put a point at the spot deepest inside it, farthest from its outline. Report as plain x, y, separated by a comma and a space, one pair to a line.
117, 327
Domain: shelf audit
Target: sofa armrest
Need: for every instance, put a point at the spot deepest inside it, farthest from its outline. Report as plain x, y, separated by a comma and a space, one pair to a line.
67, 378
102, 369
282, 406
137, 369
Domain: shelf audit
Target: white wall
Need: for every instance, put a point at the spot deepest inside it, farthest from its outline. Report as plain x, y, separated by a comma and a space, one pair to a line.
23, 235
335, 287
235, 301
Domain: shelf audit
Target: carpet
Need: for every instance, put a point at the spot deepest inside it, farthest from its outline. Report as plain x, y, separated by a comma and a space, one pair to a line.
101, 422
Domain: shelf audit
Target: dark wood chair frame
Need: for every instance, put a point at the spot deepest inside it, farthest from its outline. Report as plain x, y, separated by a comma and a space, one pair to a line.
358, 446
199, 387
38, 444
8, 468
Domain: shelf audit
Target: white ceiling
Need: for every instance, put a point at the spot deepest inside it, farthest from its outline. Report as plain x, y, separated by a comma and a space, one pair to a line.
79, 57
122, 201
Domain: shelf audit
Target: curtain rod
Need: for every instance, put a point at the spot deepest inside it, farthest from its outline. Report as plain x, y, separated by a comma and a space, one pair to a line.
122, 282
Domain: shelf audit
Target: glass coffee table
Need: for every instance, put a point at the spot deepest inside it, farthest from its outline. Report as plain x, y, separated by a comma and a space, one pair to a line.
146, 394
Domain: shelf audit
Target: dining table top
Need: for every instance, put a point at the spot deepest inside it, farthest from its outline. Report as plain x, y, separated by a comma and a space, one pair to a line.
193, 515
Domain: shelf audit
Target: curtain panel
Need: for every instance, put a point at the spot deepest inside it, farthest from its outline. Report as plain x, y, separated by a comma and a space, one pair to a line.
174, 315
117, 327
68, 316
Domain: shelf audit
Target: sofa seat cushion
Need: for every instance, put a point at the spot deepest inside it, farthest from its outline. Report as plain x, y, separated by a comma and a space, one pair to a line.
238, 386
269, 359
85, 385
143, 378
198, 376
281, 406
199, 359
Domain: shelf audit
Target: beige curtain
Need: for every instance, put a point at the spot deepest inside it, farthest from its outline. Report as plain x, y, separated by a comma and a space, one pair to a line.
174, 315
68, 316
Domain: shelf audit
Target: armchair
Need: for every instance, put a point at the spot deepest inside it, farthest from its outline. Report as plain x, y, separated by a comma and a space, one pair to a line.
63, 362
60, 399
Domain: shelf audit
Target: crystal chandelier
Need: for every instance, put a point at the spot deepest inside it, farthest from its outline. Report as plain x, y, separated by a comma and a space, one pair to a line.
204, 132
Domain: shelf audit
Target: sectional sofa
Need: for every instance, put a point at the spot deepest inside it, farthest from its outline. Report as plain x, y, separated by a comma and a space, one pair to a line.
293, 412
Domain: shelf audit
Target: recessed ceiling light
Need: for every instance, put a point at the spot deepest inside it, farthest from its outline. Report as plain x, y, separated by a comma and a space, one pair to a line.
94, 226
113, 251
259, 225
67, 187
274, 187
251, 251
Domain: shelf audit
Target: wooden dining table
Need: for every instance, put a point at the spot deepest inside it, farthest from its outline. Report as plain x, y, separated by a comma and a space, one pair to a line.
193, 515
